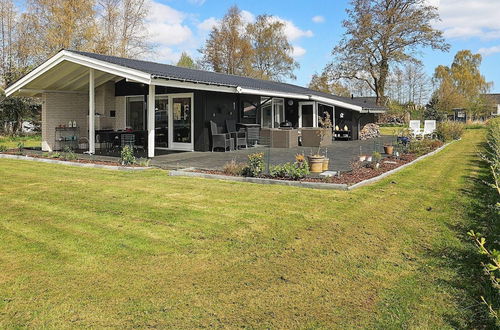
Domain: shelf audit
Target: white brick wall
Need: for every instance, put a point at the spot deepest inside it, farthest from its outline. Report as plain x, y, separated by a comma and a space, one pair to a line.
60, 108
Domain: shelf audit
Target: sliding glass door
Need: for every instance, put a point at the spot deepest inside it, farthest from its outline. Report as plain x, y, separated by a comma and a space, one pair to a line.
136, 113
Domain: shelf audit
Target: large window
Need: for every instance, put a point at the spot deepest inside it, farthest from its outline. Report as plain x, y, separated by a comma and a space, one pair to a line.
136, 113
272, 112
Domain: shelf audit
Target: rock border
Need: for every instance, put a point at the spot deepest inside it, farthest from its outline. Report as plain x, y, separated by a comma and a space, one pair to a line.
397, 169
188, 172
70, 163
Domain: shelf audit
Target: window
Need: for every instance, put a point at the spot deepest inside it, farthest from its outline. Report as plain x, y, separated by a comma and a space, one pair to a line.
136, 113
272, 112
249, 110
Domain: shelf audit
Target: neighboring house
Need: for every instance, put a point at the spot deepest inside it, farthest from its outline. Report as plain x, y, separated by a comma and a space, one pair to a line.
495, 103
172, 105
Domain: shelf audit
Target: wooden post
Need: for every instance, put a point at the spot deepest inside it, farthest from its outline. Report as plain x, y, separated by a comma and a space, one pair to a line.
91, 112
151, 121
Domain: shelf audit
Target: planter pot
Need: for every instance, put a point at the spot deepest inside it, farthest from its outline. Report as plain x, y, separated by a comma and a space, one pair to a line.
315, 163
388, 149
326, 162
362, 158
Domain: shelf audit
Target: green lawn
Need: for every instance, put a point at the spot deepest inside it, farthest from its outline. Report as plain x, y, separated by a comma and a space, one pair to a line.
28, 141
390, 130
95, 248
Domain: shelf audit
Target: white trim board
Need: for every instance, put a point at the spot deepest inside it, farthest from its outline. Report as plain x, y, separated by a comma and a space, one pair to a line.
146, 78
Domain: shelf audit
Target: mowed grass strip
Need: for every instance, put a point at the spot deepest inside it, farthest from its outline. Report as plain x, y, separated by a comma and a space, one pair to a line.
96, 248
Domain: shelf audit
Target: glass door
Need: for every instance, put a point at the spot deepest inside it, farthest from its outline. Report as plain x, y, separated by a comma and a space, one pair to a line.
161, 121
181, 121
306, 114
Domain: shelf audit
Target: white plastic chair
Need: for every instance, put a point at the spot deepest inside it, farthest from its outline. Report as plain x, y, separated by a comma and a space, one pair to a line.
429, 128
415, 128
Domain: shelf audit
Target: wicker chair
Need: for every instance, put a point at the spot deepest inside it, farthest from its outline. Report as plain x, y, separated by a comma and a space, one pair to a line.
220, 140
240, 137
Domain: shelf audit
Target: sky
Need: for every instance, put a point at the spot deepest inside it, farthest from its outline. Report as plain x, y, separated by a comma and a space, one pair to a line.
315, 26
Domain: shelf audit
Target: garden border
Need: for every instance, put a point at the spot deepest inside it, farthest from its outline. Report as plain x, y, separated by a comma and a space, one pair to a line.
188, 172
70, 163
397, 169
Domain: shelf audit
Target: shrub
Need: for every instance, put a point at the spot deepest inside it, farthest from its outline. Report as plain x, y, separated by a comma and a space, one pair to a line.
422, 147
475, 125
127, 156
55, 155
20, 147
144, 162
234, 168
69, 154
294, 171
450, 130
255, 165
3, 148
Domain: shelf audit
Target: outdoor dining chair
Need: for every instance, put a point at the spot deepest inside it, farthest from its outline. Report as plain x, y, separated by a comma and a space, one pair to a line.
220, 140
415, 128
240, 137
429, 128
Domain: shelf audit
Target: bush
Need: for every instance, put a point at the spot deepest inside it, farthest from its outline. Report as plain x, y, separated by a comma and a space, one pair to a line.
3, 148
55, 155
255, 165
69, 154
234, 168
293, 171
450, 130
127, 156
144, 162
422, 147
475, 125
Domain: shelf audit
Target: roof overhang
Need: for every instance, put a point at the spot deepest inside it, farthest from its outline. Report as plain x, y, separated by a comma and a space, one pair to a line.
67, 72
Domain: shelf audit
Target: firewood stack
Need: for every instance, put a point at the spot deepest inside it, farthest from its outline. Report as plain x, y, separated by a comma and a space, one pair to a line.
370, 131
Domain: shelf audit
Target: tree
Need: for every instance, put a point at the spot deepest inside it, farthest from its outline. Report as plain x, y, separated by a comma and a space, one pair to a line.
186, 61
15, 110
228, 48
323, 83
462, 85
272, 51
380, 33
122, 28
61, 24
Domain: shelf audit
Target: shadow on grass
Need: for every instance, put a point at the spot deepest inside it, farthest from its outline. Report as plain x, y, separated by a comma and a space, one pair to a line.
464, 258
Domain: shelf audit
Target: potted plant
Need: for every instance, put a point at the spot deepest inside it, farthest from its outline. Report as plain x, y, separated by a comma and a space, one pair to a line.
388, 148
315, 162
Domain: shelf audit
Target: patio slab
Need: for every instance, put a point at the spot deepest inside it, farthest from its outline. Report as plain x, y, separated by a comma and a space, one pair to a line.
341, 153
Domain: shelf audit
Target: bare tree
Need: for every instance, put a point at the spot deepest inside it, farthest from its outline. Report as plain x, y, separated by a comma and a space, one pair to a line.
383, 32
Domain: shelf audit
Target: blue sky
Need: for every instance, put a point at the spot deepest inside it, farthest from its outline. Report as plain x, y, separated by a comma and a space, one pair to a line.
314, 27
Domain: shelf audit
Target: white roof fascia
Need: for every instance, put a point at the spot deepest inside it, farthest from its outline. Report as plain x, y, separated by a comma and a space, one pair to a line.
82, 60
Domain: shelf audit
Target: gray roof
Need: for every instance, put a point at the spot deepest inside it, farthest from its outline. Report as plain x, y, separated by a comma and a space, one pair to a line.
165, 71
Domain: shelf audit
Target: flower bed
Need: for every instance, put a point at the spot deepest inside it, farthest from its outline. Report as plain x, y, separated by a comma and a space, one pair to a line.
349, 178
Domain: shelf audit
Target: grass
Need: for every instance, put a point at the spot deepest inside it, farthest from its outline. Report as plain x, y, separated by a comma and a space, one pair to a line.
389, 130
11, 142
95, 248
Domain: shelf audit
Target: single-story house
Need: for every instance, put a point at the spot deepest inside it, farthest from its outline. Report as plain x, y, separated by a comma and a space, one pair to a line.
494, 99
87, 94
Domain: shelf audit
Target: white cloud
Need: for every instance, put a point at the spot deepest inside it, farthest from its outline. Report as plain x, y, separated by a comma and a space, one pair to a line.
166, 26
318, 19
247, 17
208, 24
292, 31
469, 18
489, 50
298, 51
